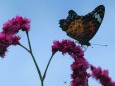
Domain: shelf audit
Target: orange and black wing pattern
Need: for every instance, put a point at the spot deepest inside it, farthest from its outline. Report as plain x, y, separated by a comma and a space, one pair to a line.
83, 28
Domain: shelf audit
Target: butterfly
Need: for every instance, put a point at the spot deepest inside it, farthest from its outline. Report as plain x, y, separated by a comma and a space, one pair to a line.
83, 28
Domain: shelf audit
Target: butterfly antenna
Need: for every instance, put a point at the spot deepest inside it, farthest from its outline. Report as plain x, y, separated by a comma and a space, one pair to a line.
99, 44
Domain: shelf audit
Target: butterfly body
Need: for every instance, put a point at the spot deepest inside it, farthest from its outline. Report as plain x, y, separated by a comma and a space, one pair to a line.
83, 28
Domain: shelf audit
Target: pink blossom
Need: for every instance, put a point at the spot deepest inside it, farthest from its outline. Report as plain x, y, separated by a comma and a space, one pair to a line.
102, 76
15, 24
66, 46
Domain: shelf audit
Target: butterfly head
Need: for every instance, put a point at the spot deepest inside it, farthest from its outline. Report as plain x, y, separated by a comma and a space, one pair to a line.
85, 43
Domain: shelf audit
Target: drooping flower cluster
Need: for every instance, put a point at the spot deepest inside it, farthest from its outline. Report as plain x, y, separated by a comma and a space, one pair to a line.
79, 66
102, 76
10, 29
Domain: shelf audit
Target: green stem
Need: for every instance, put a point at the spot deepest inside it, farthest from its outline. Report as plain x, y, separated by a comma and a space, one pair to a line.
33, 60
33, 57
47, 66
38, 70
29, 42
42, 84
24, 47
31, 53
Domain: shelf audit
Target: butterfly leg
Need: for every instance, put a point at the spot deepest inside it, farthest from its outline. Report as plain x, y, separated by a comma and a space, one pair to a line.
84, 48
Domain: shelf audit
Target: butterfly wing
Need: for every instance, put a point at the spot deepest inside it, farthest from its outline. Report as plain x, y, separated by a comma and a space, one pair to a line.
72, 25
83, 28
65, 23
93, 21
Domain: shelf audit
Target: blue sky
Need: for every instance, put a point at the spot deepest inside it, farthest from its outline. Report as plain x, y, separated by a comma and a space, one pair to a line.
17, 68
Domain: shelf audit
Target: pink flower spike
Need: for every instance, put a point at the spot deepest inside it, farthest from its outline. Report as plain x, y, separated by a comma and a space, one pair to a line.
102, 76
